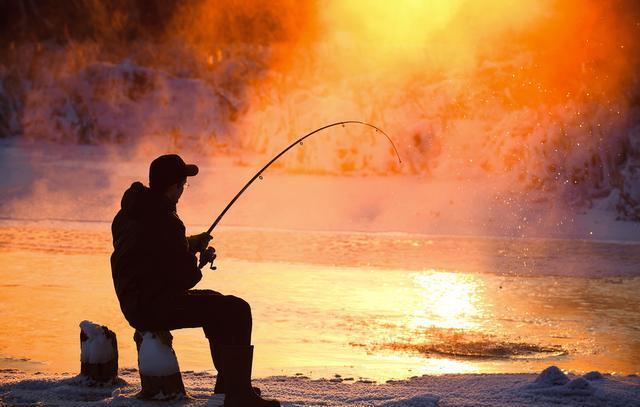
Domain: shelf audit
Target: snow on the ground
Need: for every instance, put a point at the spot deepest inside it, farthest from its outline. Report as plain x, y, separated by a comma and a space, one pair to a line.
551, 388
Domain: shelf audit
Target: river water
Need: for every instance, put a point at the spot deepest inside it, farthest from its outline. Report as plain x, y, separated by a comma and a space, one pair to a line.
362, 305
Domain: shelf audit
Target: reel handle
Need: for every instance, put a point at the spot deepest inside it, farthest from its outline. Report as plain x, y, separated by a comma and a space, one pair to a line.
202, 263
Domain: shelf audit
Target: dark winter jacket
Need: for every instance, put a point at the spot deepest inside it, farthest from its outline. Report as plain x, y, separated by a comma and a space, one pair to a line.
151, 263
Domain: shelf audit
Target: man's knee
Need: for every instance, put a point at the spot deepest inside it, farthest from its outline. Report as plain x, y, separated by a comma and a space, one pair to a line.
230, 316
240, 307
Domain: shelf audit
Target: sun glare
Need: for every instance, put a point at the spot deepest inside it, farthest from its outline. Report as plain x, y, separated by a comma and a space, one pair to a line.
391, 24
448, 300
410, 34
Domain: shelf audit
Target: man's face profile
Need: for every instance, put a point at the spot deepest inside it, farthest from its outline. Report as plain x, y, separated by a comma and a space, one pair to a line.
174, 191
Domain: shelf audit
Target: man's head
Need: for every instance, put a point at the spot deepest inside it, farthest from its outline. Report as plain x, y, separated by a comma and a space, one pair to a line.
168, 175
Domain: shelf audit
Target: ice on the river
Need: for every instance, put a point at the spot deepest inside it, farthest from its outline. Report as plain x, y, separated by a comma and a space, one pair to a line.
592, 389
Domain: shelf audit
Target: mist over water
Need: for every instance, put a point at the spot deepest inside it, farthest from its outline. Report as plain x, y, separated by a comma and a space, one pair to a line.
535, 102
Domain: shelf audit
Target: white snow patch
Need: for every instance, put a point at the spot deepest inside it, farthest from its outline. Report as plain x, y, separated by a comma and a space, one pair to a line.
155, 358
496, 390
591, 376
551, 376
98, 348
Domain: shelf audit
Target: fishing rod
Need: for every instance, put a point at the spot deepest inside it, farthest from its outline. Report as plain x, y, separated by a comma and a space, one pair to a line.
298, 141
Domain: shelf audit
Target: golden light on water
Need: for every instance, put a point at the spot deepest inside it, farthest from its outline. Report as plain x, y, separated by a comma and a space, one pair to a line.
447, 300
379, 323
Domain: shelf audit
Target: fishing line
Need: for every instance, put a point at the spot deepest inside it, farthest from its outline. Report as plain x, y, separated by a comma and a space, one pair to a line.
258, 175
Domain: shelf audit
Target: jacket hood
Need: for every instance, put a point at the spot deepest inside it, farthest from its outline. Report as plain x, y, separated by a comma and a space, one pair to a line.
139, 199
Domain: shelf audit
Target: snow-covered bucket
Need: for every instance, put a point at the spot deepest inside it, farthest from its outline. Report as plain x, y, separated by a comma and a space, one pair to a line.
159, 372
98, 353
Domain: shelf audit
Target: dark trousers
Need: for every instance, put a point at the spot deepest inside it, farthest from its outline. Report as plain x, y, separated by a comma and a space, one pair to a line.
225, 319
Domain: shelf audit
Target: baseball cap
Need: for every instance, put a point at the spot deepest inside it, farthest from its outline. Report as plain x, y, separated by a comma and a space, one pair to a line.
169, 169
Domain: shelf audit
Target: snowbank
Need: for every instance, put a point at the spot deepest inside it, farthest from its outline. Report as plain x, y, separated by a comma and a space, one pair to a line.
593, 389
375, 203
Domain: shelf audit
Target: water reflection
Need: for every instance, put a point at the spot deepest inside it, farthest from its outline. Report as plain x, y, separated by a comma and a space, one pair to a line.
447, 300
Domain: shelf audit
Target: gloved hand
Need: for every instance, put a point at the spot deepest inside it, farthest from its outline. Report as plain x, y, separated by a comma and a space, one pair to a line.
198, 243
207, 256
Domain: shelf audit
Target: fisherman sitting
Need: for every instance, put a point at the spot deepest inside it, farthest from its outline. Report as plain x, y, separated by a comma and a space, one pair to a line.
154, 267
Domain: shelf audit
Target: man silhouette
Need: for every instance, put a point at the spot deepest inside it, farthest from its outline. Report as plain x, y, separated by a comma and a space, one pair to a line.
154, 269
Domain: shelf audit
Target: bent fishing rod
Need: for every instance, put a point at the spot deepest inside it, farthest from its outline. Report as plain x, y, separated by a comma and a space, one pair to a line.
298, 141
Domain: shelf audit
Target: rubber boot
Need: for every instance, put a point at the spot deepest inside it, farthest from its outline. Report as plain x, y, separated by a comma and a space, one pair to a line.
237, 362
216, 356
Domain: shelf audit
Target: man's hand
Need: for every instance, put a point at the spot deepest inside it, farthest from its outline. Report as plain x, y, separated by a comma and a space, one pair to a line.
207, 256
198, 243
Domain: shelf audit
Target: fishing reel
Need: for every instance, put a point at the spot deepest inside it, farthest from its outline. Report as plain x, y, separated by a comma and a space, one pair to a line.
200, 245
202, 263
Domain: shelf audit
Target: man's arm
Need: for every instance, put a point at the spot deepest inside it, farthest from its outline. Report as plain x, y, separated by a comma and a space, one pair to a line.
181, 270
